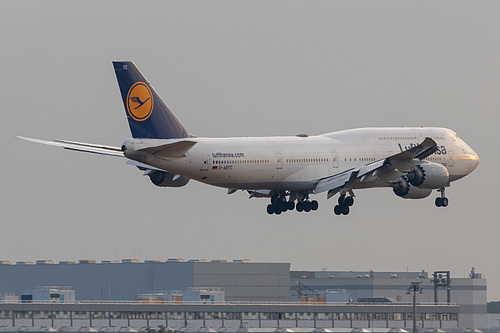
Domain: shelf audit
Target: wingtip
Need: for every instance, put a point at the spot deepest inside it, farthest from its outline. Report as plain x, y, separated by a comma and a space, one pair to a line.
429, 141
24, 138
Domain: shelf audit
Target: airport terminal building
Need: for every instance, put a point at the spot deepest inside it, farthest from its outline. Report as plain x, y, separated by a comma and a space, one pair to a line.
240, 293
469, 293
111, 280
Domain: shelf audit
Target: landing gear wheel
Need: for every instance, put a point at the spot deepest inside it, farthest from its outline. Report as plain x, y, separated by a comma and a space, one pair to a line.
307, 206
284, 206
441, 202
270, 209
343, 208
299, 206
314, 205
291, 205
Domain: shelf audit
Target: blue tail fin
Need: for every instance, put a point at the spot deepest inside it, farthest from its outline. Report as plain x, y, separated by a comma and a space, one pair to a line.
148, 116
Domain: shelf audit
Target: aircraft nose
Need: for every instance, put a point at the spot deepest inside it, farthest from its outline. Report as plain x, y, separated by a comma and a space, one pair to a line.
474, 160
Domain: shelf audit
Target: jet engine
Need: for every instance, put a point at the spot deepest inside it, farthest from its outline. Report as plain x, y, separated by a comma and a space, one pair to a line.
428, 176
417, 193
167, 179
402, 188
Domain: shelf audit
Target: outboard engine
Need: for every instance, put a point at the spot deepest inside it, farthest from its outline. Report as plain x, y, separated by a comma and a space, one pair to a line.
402, 188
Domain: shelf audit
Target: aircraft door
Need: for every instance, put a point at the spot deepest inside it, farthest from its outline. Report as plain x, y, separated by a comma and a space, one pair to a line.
418, 136
279, 159
335, 159
449, 158
206, 162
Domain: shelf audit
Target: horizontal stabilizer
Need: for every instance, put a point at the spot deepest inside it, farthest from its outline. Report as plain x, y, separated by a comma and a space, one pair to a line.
79, 146
143, 166
176, 149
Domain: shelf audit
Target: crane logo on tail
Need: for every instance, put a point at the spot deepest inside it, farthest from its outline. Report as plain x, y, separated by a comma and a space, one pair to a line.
140, 101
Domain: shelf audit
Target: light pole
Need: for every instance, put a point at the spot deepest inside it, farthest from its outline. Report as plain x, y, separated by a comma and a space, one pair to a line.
414, 287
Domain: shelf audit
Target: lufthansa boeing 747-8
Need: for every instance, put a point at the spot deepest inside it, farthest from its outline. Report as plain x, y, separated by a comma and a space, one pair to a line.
288, 170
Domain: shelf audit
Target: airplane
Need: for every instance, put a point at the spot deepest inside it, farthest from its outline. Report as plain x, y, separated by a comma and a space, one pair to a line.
413, 161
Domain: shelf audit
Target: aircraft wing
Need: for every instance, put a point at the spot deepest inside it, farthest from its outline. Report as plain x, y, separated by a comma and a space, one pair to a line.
80, 146
385, 169
421, 151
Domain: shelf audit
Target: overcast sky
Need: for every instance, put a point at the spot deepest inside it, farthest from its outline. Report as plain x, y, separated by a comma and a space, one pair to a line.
235, 68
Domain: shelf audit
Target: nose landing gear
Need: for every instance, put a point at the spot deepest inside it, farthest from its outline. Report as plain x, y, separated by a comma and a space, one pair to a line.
441, 201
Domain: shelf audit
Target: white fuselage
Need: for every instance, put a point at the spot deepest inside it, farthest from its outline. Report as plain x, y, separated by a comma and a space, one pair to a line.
297, 163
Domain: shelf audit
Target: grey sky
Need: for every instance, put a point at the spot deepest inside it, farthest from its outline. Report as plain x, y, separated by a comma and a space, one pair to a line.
233, 68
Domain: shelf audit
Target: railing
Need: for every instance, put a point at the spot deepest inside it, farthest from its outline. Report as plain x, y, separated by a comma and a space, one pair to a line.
148, 302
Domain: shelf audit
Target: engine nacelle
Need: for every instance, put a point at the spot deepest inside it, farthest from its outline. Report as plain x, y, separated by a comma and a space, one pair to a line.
428, 176
166, 179
417, 193
402, 188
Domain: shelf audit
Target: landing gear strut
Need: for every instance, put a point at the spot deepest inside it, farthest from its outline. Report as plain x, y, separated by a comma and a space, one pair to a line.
343, 208
279, 205
441, 201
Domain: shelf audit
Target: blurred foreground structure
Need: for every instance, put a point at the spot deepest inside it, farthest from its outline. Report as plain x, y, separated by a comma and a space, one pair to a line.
221, 295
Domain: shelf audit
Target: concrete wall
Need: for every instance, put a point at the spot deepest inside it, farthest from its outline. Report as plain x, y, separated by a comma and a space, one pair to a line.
255, 282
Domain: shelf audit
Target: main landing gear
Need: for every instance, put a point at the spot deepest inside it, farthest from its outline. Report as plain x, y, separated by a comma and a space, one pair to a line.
307, 206
279, 204
441, 201
343, 208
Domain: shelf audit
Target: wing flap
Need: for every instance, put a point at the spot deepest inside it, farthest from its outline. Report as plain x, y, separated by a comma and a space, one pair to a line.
259, 193
335, 181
